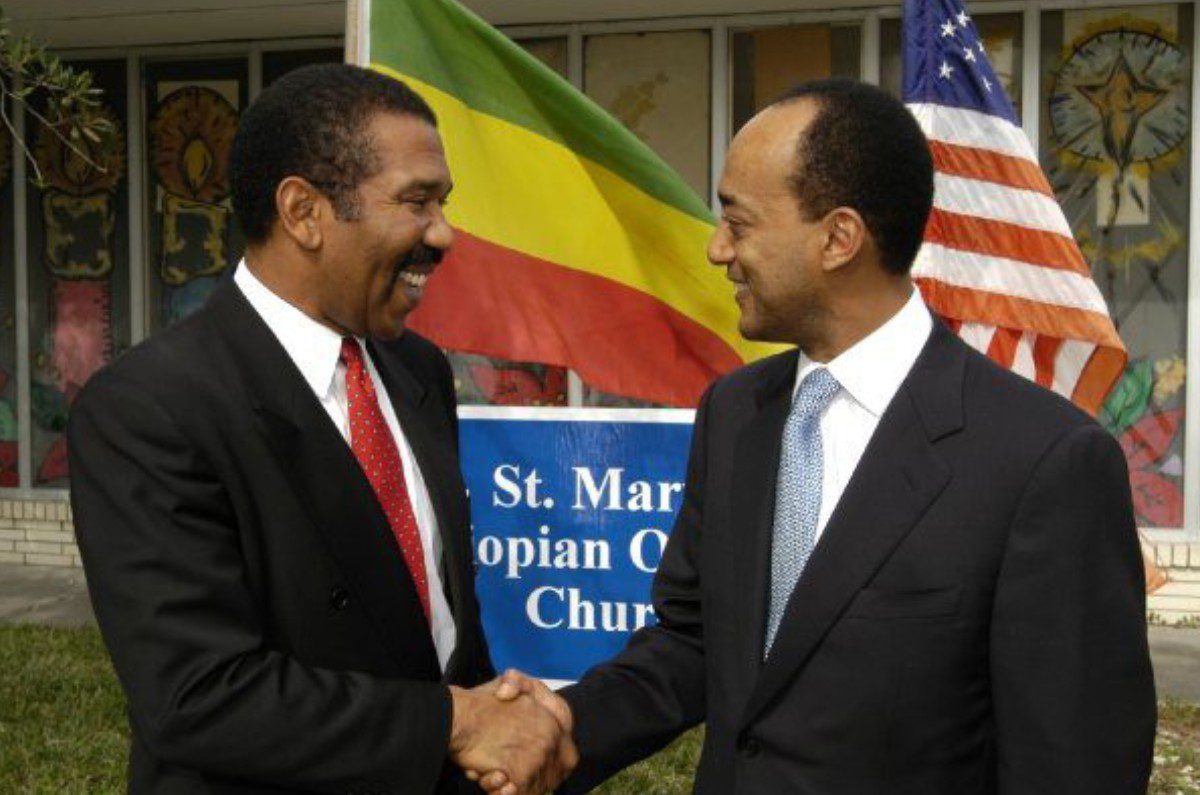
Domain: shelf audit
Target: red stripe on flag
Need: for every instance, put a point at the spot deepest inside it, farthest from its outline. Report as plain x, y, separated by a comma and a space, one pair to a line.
1002, 239
989, 166
495, 301
1045, 353
1003, 348
1006, 311
1099, 376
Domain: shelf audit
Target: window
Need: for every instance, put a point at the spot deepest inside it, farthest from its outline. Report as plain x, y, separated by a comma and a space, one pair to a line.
481, 380
657, 85
279, 62
192, 111
9, 436
1002, 38
1115, 128
769, 61
78, 269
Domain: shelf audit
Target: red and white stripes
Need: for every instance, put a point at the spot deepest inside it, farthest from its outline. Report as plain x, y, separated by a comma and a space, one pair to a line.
1000, 262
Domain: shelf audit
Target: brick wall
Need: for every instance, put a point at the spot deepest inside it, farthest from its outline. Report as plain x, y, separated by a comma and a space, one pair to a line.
40, 533
37, 533
1179, 599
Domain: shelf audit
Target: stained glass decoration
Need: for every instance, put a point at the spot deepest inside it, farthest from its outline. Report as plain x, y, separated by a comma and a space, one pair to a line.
194, 240
78, 268
1116, 123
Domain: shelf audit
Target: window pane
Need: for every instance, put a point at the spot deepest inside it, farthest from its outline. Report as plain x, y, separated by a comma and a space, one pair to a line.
78, 265
659, 86
767, 62
193, 242
1116, 121
278, 63
8, 326
1002, 38
481, 380
550, 51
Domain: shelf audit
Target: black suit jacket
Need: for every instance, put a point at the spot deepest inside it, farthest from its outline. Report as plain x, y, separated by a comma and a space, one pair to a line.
259, 613
971, 620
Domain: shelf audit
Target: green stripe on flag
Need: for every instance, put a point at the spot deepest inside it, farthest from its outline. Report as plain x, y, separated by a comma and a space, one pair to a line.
447, 46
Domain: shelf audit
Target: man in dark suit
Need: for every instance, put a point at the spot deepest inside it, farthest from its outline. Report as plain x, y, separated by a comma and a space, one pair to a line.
897, 568
267, 495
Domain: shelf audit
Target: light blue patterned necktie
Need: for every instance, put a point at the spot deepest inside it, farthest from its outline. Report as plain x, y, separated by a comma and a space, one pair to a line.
797, 492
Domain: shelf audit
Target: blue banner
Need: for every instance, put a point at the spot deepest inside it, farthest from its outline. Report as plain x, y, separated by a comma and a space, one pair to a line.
571, 509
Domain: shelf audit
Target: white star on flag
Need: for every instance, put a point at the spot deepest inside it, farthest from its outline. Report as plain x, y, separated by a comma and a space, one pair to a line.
1011, 282
947, 28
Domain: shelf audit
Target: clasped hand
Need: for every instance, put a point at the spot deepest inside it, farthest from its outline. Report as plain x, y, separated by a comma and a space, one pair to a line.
512, 735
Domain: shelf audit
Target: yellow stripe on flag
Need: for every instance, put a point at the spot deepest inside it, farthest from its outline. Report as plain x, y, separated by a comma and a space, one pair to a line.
528, 193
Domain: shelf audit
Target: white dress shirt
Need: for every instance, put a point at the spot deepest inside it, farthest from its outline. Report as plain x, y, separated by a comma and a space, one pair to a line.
870, 373
316, 351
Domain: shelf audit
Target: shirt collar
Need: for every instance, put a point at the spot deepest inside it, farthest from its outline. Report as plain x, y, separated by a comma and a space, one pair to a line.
313, 348
872, 369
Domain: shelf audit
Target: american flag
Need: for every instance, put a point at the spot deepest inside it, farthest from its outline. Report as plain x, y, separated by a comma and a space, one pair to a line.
999, 262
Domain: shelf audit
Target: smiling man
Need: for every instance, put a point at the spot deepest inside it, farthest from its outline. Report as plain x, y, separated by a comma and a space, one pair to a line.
898, 569
267, 495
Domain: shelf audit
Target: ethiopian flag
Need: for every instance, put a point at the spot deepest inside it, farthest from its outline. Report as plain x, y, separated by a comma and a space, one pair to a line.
576, 244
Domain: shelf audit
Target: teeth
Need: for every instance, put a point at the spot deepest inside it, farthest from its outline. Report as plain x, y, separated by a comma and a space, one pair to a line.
414, 279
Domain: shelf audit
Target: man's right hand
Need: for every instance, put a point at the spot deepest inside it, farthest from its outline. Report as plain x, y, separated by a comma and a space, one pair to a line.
515, 685
522, 745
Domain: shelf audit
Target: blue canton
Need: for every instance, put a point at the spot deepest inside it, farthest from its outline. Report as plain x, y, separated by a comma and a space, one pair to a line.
945, 62
798, 492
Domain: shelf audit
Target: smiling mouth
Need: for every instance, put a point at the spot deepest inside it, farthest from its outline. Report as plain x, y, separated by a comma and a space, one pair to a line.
414, 279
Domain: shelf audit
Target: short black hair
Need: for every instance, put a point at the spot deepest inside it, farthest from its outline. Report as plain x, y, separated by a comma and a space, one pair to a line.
312, 123
865, 150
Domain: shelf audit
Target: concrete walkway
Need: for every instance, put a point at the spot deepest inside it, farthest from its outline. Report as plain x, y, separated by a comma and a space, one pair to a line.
58, 597
50, 595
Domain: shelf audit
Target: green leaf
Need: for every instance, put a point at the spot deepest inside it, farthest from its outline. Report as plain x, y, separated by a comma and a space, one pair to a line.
1129, 400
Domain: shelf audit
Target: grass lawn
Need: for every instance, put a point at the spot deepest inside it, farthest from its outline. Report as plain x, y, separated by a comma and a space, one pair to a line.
62, 726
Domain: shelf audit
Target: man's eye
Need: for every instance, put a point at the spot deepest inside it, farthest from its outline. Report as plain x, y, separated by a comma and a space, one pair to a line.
423, 202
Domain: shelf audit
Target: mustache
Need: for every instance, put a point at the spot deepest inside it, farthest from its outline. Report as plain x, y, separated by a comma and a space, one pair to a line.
422, 255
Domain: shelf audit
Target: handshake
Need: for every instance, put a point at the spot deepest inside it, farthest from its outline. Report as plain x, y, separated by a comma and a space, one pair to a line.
512, 735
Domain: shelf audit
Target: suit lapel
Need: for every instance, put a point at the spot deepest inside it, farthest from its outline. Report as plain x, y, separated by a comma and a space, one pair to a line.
897, 479
756, 457
327, 480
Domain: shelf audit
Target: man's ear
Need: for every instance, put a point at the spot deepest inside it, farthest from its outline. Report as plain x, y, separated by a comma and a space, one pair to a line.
845, 235
299, 206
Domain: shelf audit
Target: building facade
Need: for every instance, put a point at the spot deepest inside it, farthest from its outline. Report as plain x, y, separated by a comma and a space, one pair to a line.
92, 261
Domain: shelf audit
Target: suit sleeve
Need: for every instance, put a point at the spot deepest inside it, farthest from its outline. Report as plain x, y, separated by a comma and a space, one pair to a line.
1072, 686
189, 640
633, 705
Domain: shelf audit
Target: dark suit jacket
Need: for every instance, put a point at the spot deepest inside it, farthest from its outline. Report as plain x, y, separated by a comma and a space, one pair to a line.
259, 613
971, 620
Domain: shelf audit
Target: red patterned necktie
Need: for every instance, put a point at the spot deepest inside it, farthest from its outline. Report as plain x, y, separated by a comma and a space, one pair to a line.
377, 454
